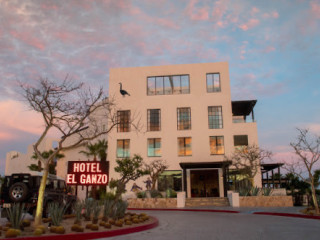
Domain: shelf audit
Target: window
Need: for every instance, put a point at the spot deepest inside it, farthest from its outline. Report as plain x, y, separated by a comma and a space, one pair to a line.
215, 117
123, 148
216, 145
184, 146
154, 147
213, 82
154, 123
240, 141
178, 84
170, 179
123, 121
183, 118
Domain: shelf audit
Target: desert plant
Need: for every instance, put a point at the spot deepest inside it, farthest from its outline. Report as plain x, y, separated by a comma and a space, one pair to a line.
96, 211
107, 196
121, 207
171, 193
15, 214
141, 194
266, 191
107, 208
88, 205
56, 212
254, 191
155, 193
245, 191
78, 211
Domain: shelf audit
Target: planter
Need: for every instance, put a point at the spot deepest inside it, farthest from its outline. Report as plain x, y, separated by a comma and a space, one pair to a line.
152, 203
266, 201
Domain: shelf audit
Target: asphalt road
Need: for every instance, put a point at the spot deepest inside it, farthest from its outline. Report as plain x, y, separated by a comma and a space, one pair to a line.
225, 226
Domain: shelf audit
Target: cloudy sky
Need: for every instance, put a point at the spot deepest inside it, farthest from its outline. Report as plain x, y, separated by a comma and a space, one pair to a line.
273, 50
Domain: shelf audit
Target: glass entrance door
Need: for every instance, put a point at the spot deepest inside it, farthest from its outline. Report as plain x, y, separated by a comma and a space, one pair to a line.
205, 183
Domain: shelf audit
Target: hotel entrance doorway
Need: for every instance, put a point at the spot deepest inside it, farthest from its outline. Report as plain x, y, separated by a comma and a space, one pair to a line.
205, 183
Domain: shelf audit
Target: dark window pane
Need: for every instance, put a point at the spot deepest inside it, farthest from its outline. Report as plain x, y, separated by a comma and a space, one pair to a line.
123, 121
154, 123
170, 179
240, 140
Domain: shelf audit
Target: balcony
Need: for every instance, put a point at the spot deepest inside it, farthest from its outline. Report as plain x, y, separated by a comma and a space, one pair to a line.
242, 111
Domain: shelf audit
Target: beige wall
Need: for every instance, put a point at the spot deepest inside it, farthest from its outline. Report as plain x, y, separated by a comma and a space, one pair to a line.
134, 80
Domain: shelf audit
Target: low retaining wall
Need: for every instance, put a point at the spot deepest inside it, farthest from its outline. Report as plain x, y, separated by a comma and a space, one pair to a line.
152, 202
266, 201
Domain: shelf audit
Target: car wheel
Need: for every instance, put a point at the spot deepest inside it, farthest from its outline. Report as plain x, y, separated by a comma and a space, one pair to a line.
18, 192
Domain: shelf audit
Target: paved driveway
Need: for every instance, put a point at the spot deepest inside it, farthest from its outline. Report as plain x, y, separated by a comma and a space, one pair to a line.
220, 226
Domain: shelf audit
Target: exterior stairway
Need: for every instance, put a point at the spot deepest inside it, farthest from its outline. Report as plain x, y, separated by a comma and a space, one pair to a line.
214, 201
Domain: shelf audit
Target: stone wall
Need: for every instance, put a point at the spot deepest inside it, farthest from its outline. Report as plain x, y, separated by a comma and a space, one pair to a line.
266, 201
152, 203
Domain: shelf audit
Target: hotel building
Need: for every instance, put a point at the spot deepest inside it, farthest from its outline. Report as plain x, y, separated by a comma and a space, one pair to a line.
187, 118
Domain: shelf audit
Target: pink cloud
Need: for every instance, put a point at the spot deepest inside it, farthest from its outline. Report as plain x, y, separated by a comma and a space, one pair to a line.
273, 14
197, 14
269, 49
14, 115
167, 23
254, 10
253, 22
27, 38
315, 9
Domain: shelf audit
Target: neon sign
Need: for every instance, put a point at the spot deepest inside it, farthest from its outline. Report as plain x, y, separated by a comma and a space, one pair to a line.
88, 173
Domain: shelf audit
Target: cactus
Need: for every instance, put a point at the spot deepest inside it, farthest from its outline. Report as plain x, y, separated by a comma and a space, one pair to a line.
56, 212
107, 208
37, 232
60, 230
94, 227
107, 225
78, 210
267, 191
88, 205
120, 209
43, 228
96, 211
15, 215
254, 191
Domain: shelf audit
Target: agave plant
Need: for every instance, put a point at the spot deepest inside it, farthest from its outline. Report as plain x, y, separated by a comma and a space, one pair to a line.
121, 207
243, 192
96, 211
56, 211
15, 214
267, 191
107, 207
254, 191
88, 205
78, 212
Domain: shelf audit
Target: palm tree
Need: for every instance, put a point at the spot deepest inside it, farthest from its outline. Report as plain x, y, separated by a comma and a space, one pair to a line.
98, 149
45, 154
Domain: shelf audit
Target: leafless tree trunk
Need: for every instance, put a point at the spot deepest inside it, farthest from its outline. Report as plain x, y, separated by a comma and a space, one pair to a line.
248, 160
307, 149
154, 169
77, 113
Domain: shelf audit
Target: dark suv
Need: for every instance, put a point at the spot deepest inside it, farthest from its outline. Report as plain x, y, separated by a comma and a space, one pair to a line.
24, 188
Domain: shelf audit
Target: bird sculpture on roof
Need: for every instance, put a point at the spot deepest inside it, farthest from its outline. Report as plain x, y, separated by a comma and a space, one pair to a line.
123, 92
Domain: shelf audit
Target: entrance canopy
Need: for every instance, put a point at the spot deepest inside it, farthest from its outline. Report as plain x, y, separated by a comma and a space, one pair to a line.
188, 165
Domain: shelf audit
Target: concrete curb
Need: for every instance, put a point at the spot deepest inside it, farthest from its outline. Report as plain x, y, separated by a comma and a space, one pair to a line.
295, 215
95, 235
183, 210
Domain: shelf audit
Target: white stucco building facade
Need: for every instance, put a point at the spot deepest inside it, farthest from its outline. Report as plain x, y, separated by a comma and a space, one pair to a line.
187, 118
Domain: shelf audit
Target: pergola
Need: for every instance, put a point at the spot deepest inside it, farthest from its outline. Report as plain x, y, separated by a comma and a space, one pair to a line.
266, 168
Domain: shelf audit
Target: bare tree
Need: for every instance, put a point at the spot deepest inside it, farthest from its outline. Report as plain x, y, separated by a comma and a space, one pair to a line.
77, 113
307, 149
248, 160
154, 169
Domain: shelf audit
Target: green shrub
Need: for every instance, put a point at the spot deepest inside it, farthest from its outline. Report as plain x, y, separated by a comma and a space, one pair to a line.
107, 196
244, 191
171, 193
155, 194
141, 194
